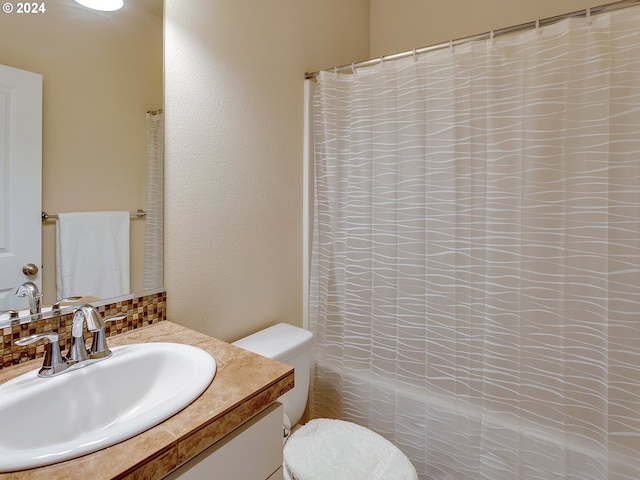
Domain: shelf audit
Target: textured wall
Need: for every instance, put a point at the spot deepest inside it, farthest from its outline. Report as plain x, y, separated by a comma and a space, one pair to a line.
234, 110
401, 25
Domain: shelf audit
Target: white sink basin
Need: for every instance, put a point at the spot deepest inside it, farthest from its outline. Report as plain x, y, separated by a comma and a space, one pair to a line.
48, 420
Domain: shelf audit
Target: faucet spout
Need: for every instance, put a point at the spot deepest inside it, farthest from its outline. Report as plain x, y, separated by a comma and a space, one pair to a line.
78, 351
89, 314
30, 290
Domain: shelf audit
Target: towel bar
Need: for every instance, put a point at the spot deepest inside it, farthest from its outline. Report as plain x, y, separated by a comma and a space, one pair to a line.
137, 214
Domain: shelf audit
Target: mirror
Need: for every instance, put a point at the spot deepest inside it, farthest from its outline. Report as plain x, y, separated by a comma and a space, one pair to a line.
102, 71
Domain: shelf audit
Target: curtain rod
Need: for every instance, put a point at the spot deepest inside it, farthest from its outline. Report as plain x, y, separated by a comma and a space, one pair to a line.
137, 214
610, 7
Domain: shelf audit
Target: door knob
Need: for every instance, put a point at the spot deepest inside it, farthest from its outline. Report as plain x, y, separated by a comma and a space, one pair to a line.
30, 269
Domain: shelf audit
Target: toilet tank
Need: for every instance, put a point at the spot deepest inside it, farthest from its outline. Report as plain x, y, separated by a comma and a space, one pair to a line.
290, 345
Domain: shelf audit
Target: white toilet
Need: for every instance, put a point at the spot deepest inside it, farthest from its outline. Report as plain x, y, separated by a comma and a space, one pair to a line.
323, 448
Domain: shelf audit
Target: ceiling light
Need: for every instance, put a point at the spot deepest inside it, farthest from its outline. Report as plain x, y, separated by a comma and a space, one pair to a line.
104, 5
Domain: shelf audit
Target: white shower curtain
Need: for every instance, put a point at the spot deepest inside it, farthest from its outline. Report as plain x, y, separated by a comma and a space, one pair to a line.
475, 270
153, 241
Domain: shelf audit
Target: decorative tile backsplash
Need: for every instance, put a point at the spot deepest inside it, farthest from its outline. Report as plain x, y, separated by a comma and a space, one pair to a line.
140, 311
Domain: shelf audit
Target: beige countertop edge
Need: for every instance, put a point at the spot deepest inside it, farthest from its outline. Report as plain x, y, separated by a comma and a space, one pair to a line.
245, 384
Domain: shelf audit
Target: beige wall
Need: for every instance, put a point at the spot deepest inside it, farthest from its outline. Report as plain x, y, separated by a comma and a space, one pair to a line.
234, 110
401, 25
101, 73
234, 135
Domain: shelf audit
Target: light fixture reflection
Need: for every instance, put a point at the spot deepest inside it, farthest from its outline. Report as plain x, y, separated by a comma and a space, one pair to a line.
103, 5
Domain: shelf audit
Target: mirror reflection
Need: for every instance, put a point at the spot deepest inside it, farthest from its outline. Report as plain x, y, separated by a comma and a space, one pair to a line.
101, 75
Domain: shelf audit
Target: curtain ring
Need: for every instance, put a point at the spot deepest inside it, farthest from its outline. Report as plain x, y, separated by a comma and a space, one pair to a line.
589, 15
353, 68
538, 26
415, 55
335, 72
492, 37
451, 46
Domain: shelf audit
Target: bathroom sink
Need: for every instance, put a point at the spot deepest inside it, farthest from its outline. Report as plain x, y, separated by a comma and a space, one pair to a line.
48, 420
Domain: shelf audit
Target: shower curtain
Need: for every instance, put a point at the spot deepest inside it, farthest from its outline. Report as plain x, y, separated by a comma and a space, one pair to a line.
475, 263
153, 240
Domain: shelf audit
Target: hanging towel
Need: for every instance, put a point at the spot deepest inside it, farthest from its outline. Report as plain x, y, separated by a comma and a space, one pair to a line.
92, 254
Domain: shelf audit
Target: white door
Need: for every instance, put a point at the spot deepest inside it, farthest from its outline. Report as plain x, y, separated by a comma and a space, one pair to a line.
20, 181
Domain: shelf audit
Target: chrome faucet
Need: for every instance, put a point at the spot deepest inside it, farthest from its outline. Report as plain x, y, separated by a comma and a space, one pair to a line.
78, 351
78, 355
30, 290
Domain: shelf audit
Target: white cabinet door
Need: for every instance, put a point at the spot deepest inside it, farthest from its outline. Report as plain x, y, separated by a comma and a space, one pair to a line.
253, 451
277, 475
20, 181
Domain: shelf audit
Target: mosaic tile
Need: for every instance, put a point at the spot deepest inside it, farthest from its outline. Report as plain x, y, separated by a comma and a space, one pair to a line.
140, 311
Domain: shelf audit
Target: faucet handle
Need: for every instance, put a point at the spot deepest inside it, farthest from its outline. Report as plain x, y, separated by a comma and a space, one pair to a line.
53, 363
13, 314
99, 347
58, 304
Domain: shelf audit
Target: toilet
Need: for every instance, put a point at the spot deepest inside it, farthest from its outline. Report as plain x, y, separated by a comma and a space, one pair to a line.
323, 448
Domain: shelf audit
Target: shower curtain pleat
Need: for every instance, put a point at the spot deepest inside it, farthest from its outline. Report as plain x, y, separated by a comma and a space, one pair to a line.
475, 263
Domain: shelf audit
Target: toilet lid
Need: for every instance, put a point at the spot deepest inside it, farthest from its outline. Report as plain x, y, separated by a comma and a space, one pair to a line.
335, 449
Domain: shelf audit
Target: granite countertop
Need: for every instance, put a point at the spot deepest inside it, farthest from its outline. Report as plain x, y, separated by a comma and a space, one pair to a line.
244, 384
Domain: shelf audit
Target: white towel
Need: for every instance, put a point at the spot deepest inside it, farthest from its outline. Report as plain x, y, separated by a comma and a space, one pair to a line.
92, 254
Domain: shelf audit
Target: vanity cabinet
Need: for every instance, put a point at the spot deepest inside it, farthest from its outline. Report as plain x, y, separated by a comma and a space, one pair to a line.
243, 385
253, 451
